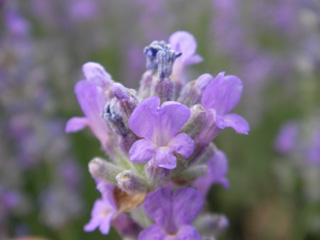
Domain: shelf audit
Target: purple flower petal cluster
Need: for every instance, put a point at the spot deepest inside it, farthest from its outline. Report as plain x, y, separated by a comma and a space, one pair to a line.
159, 127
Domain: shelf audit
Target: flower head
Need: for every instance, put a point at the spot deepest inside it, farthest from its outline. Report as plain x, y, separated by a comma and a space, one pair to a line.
172, 214
159, 127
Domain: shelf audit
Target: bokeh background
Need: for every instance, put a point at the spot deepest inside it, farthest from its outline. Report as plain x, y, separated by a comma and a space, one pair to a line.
272, 45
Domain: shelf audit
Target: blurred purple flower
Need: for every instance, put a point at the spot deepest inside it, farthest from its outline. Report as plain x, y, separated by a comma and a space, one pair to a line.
172, 214
218, 168
16, 24
287, 138
83, 10
313, 150
159, 127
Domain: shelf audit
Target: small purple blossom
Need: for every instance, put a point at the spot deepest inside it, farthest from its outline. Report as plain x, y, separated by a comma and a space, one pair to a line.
220, 97
172, 214
159, 127
218, 168
104, 209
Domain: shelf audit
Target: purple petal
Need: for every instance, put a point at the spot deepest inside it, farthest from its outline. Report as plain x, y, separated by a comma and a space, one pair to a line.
153, 232
107, 191
222, 94
185, 43
105, 224
92, 105
157, 205
182, 144
75, 124
144, 117
187, 232
92, 225
235, 121
172, 117
96, 74
95, 221
142, 151
187, 203
165, 158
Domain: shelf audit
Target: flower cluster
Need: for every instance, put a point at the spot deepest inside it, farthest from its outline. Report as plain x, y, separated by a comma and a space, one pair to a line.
157, 139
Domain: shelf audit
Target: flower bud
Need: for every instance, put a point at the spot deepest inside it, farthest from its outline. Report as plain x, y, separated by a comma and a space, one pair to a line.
126, 99
131, 183
165, 59
196, 121
103, 170
157, 176
113, 116
192, 92
117, 113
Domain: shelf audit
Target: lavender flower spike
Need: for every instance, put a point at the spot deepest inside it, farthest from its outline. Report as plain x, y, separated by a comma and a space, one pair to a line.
172, 214
159, 127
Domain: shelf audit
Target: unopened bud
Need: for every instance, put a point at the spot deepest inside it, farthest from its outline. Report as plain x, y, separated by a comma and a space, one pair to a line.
131, 183
117, 113
160, 56
96, 74
157, 176
151, 54
196, 121
192, 92
126, 99
165, 60
112, 115
103, 170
